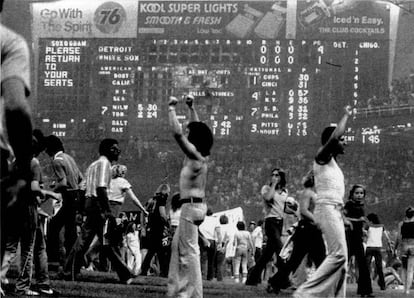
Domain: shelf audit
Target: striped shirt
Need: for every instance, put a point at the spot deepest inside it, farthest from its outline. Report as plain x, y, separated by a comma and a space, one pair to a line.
98, 174
64, 166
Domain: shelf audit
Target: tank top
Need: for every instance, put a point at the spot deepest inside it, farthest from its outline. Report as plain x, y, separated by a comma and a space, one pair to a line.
407, 230
374, 238
329, 183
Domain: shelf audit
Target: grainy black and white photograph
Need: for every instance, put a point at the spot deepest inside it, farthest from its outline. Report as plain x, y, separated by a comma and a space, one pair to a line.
207, 148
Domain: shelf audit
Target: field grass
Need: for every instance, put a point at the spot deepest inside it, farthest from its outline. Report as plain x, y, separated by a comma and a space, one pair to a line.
100, 284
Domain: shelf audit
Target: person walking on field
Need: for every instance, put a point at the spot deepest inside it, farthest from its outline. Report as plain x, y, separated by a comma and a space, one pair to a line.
274, 196
329, 280
355, 213
307, 239
184, 277
100, 216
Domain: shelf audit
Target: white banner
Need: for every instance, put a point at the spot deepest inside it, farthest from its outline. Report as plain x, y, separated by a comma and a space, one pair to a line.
80, 19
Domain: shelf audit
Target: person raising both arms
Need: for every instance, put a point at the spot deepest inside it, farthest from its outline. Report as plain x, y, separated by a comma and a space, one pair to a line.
184, 277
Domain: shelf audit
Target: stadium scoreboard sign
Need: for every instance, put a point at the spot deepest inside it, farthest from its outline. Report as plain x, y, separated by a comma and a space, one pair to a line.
259, 70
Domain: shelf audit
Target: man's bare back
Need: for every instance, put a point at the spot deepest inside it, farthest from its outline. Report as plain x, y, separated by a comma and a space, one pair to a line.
193, 178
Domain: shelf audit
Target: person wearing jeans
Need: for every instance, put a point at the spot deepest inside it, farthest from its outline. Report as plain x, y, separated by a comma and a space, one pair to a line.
274, 198
184, 276
307, 239
329, 280
374, 245
244, 244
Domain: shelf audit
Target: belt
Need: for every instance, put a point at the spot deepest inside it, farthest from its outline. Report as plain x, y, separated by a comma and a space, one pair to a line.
191, 200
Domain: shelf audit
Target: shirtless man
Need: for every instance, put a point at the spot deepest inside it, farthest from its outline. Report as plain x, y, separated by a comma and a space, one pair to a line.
184, 277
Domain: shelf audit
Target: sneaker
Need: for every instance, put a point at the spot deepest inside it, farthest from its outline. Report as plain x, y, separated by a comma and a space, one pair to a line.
236, 280
46, 290
128, 281
27, 293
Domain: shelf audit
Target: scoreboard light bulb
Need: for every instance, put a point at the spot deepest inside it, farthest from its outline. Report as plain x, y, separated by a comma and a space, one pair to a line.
83, 120
72, 120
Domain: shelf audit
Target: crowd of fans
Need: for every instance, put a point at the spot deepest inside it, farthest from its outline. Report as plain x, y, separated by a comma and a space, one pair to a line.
237, 173
401, 93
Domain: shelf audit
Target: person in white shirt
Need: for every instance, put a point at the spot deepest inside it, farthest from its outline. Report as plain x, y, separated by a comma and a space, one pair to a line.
329, 280
134, 257
225, 236
210, 229
257, 236
120, 189
375, 233
244, 244
274, 198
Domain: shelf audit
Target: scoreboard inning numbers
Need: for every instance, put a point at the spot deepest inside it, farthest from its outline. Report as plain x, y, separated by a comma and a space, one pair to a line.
259, 70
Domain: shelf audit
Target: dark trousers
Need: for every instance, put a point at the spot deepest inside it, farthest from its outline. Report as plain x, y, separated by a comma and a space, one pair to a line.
306, 240
257, 254
155, 247
355, 248
40, 256
66, 217
94, 225
273, 231
220, 260
207, 259
375, 252
21, 224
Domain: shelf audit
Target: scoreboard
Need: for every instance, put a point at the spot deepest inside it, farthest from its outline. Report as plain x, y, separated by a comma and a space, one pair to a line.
259, 70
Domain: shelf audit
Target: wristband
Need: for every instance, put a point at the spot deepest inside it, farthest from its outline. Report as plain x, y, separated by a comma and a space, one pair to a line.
171, 108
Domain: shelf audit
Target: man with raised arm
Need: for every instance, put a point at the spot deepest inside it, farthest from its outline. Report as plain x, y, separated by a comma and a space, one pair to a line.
329, 280
184, 277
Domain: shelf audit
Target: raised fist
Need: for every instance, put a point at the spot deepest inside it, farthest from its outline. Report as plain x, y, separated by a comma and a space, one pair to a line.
189, 99
348, 110
173, 101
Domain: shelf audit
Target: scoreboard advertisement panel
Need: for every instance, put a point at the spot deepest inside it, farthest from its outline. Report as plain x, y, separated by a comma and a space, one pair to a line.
259, 70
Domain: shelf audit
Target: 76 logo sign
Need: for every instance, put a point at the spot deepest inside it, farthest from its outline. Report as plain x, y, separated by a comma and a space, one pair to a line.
109, 17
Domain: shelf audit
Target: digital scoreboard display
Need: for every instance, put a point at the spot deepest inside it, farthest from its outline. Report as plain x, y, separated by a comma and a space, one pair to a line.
259, 70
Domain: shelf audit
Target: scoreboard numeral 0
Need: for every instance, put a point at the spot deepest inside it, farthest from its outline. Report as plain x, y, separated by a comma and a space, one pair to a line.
110, 16
291, 59
263, 49
277, 60
277, 49
263, 59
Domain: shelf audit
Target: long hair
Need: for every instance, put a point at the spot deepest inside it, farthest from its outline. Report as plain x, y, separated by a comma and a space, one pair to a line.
326, 134
282, 182
130, 228
201, 137
309, 180
354, 187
